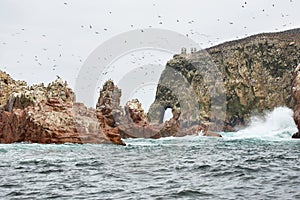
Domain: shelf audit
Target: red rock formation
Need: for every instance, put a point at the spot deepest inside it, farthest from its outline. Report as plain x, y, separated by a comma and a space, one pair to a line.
296, 95
135, 123
135, 113
49, 115
56, 122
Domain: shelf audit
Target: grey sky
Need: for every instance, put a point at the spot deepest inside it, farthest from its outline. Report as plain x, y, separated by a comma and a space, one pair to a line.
42, 39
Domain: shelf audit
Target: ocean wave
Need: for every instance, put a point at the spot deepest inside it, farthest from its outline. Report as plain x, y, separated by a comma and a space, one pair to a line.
275, 125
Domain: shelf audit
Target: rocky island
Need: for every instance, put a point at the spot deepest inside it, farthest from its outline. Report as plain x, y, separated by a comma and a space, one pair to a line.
257, 74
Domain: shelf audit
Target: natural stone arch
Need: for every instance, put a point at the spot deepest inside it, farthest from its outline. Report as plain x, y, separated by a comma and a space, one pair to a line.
157, 112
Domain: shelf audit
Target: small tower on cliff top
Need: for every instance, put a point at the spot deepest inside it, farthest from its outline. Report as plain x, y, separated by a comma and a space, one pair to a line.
193, 50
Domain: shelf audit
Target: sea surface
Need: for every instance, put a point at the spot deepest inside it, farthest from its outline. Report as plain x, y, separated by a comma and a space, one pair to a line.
259, 162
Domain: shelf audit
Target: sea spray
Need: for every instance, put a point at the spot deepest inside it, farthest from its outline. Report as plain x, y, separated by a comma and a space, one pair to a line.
274, 125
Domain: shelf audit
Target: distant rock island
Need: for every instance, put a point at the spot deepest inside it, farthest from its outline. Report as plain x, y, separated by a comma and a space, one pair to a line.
256, 72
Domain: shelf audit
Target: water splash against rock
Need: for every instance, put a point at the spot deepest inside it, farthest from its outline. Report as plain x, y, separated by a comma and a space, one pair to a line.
274, 125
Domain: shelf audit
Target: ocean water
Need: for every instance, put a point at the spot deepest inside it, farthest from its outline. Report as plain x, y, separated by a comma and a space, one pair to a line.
260, 161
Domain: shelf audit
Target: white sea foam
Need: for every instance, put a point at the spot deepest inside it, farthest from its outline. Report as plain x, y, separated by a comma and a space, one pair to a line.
277, 124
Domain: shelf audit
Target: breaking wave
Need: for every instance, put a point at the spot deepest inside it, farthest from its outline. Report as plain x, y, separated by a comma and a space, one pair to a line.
277, 124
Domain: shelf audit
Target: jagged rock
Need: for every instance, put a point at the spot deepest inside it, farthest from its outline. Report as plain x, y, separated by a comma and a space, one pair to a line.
135, 123
135, 113
296, 95
9, 86
256, 71
49, 114
19, 95
109, 103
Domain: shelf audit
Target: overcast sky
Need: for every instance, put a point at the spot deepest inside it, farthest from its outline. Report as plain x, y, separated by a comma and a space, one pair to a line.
42, 39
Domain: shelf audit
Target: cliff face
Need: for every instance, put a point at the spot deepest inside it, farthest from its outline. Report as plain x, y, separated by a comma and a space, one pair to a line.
296, 95
256, 74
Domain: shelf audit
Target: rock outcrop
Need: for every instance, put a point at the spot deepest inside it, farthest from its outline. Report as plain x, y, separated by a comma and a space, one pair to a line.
135, 123
296, 95
9, 86
109, 103
256, 73
40, 114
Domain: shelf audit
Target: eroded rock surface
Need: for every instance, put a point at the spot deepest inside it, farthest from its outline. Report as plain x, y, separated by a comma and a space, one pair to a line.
296, 95
40, 114
9, 86
257, 74
135, 123
109, 103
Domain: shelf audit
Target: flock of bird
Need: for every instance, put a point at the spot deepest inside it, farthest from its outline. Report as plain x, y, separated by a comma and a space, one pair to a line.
106, 29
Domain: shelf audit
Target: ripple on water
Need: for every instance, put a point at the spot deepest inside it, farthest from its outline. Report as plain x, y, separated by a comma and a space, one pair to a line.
186, 168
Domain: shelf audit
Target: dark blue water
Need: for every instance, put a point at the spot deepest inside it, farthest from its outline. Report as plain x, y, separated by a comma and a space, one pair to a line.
264, 165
